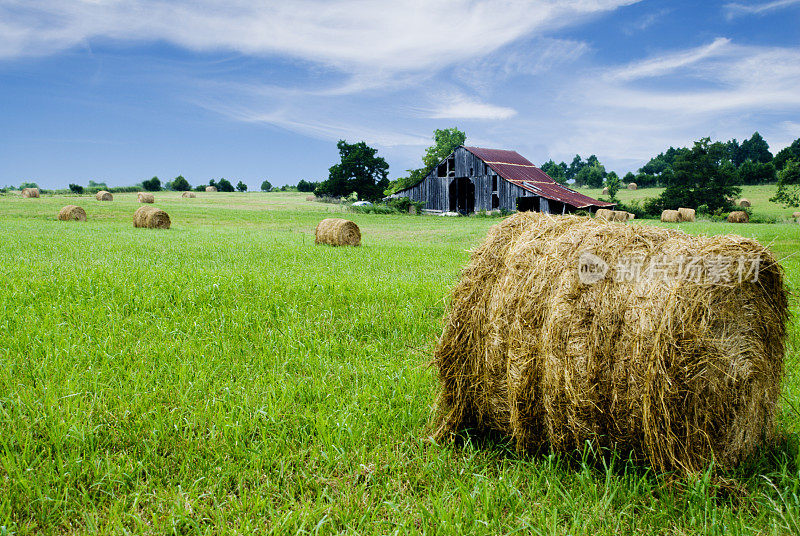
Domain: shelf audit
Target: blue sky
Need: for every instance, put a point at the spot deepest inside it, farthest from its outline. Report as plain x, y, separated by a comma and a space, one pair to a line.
119, 91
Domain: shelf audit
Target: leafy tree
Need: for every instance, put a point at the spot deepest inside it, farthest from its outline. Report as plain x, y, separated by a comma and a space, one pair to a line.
76, 188
557, 172
791, 152
656, 171
28, 185
266, 186
445, 141
591, 175
152, 185
242, 187
756, 172
306, 186
575, 166
179, 184
360, 171
629, 177
734, 152
788, 185
224, 185
703, 176
98, 185
613, 184
755, 149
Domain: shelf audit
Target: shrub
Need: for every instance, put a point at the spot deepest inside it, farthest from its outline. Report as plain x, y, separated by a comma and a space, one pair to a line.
266, 186
76, 188
242, 187
152, 185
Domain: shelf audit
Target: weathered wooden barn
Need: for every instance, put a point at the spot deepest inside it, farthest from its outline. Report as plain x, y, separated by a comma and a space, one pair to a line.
473, 179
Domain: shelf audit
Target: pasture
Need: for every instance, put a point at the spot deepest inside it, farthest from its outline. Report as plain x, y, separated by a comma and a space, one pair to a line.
227, 376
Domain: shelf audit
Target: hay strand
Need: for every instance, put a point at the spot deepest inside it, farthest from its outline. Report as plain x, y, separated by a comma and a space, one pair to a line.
337, 232
104, 195
72, 212
145, 197
673, 372
670, 216
151, 218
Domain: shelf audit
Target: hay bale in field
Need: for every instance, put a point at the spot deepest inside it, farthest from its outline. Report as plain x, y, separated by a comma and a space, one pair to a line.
311, 198
604, 214
795, 215
605, 191
632, 186
211, 188
337, 232
743, 202
30, 192
619, 215
686, 214
104, 195
738, 216
670, 216
72, 212
672, 371
188, 195
151, 218
145, 197
631, 216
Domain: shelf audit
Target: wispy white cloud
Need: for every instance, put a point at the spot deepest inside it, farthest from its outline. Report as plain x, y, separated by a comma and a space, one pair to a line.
645, 21
668, 63
460, 106
735, 9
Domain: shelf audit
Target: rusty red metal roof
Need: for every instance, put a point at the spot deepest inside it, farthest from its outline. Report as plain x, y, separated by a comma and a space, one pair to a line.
518, 170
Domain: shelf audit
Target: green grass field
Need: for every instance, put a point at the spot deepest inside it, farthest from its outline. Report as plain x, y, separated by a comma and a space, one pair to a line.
226, 376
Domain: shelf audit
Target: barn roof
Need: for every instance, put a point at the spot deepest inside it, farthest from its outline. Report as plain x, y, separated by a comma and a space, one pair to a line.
518, 170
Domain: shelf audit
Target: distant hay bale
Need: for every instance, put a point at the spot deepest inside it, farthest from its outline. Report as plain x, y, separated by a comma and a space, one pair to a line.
144, 197
30, 192
211, 188
337, 232
189, 195
151, 218
619, 215
670, 371
604, 214
632, 186
686, 214
795, 215
104, 195
670, 216
311, 198
605, 191
738, 216
743, 202
72, 212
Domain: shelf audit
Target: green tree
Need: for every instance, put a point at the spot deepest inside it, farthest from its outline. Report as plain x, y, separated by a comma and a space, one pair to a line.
445, 141
756, 172
266, 186
788, 185
591, 175
152, 185
223, 185
179, 184
557, 172
306, 186
792, 152
76, 188
575, 166
98, 185
755, 149
703, 176
242, 187
613, 184
360, 171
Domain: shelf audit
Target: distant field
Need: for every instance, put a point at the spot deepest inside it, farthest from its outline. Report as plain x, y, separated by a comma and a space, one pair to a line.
758, 195
228, 376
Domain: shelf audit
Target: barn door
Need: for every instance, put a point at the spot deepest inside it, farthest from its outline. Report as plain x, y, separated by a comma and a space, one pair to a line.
462, 195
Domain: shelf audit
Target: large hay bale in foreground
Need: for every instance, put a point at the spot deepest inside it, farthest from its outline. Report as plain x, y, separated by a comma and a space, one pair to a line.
30, 192
145, 197
211, 188
671, 216
743, 202
632, 186
104, 195
72, 212
604, 214
671, 371
337, 232
151, 218
188, 195
738, 216
686, 214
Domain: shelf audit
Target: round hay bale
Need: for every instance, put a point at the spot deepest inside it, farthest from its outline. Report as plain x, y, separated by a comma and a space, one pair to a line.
671, 371
30, 192
72, 212
670, 216
631, 216
104, 195
605, 191
743, 202
604, 214
311, 198
686, 214
619, 215
145, 197
211, 188
738, 216
337, 232
151, 218
632, 186
188, 195
795, 215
